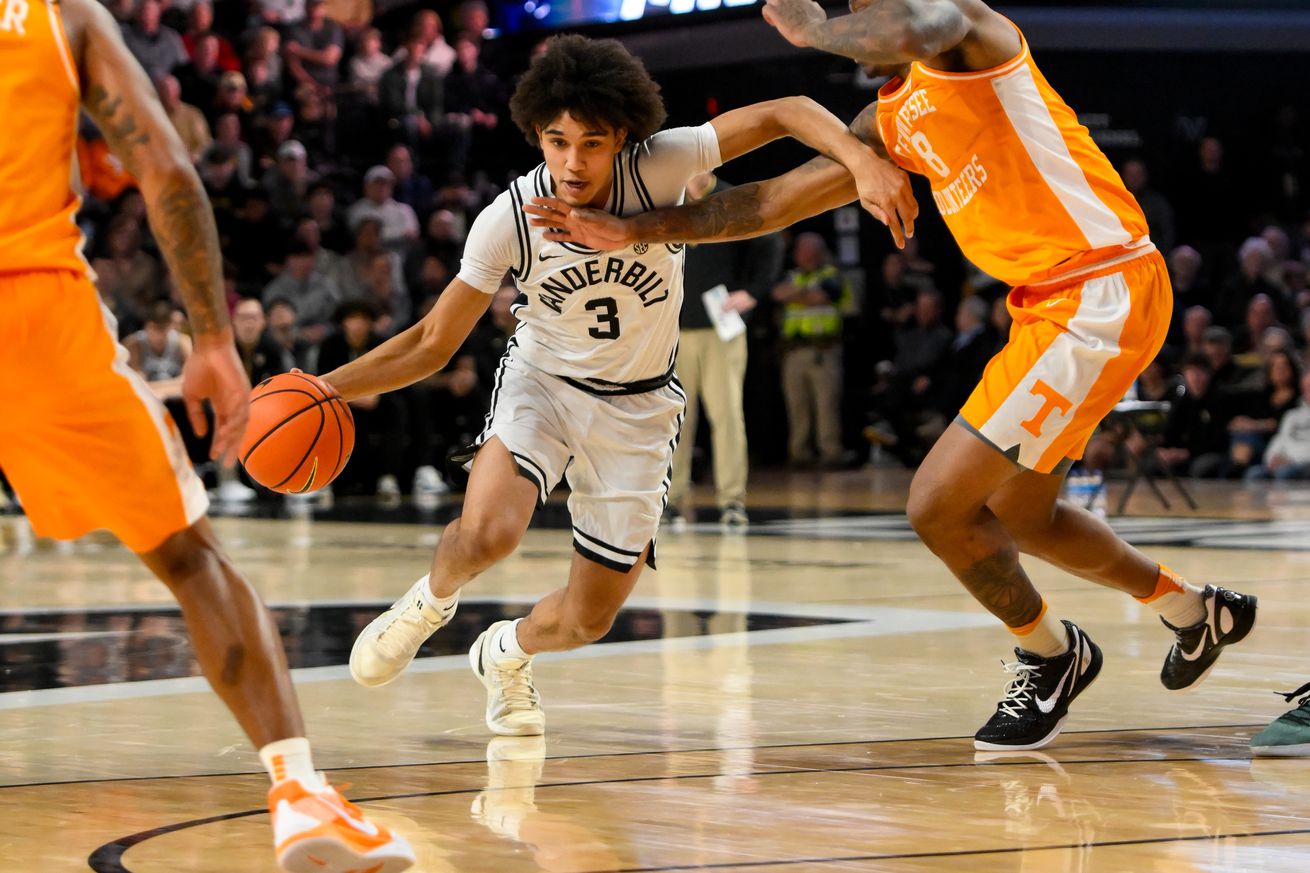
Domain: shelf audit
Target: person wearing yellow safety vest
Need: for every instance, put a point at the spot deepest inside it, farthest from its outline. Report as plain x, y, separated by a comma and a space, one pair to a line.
812, 297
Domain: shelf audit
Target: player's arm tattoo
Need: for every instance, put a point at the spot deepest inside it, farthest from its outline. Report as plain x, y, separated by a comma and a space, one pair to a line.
893, 31
180, 214
727, 215
865, 128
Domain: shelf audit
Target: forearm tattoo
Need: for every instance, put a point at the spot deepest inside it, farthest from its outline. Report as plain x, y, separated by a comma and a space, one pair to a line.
727, 215
879, 33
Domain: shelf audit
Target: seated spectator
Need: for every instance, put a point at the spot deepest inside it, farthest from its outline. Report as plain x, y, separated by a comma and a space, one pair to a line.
353, 15
260, 354
219, 174
1294, 281
472, 18
1195, 439
1196, 321
129, 280
307, 233
1288, 454
263, 66
380, 437
1154, 383
432, 263
287, 183
297, 350
970, 350
227, 133
412, 98
157, 48
413, 189
315, 127
384, 291
911, 392
1257, 412
233, 97
159, 351
276, 129
1225, 372
200, 78
475, 96
201, 23
313, 49
368, 64
187, 120
315, 294
1260, 316
427, 36
356, 266
1254, 259
1159, 213
1190, 288
258, 242
332, 230
398, 221
281, 13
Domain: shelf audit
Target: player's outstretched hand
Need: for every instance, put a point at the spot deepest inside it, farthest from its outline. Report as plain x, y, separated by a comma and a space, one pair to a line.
585, 227
886, 193
214, 373
795, 19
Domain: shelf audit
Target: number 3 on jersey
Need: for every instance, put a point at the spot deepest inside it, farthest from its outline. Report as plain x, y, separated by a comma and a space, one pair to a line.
606, 317
930, 157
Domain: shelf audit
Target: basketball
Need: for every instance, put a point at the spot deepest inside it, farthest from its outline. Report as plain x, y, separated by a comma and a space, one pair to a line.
300, 434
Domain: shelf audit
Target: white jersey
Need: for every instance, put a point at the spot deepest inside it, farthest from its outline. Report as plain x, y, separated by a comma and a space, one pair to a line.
607, 317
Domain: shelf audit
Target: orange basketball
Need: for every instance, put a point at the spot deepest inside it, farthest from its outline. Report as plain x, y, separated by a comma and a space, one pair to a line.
300, 435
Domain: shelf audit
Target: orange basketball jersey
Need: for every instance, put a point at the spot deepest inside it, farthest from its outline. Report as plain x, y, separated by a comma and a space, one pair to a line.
1024, 190
39, 97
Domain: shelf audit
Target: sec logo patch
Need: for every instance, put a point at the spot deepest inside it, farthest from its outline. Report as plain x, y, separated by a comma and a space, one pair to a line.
640, 248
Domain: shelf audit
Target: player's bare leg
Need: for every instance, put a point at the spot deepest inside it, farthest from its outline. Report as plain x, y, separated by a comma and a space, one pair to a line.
571, 617
232, 632
498, 505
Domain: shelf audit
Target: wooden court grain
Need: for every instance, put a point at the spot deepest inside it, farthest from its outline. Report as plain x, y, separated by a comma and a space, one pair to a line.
837, 738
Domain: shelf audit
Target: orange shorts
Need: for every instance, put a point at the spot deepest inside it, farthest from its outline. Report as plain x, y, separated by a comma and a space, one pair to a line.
82, 440
1074, 350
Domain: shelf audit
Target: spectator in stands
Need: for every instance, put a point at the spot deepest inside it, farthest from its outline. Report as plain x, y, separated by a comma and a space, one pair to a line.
413, 189
1195, 440
712, 370
474, 94
281, 12
1209, 200
1257, 412
380, 438
315, 294
368, 64
429, 38
1260, 316
315, 126
1225, 372
233, 97
187, 120
384, 290
916, 382
412, 98
220, 173
357, 266
812, 297
287, 182
1190, 288
258, 241
1159, 214
353, 15
263, 67
1288, 454
130, 281
201, 76
970, 350
473, 18
201, 23
332, 230
159, 351
325, 262
1254, 258
259, 352
1295, 284
157, 48
227, 133
313, 49
297, 350
399, 223
432, 263
278, 127
1196, 321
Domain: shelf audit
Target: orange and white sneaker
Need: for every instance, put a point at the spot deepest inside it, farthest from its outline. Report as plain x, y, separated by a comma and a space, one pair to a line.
322, 832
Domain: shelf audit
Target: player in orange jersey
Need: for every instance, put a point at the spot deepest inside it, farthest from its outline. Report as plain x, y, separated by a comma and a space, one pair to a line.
1032, 201
82, 439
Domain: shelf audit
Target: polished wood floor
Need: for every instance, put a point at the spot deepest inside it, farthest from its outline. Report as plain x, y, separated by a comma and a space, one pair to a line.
798, 698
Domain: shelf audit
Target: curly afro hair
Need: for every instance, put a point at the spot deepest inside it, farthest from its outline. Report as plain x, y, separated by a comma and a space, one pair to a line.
596, 81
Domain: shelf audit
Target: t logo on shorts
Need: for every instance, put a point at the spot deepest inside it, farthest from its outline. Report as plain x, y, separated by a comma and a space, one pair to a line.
1053, 400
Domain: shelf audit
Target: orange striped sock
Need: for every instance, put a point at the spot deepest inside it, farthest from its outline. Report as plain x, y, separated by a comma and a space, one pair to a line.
1045, 635
290, 759
1176, 600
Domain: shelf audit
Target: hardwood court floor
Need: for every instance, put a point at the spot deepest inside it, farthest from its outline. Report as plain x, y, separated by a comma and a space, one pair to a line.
799, 698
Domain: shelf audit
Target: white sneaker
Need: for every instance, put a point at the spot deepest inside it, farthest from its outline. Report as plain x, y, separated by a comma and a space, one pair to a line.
514, 766
388, 489
384, 649
513, 705
428, 482
232, 491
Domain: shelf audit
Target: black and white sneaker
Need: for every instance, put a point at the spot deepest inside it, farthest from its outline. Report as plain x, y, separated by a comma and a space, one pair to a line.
1037, 699
1229, 617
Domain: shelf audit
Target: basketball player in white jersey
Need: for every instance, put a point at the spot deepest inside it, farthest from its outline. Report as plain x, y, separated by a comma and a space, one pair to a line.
586, 388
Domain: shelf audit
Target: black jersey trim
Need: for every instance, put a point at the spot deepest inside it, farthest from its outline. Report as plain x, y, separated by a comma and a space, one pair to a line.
521, 231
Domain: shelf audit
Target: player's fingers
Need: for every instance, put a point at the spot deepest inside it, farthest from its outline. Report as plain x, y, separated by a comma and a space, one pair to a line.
195, 413
543, 211
898, 235
544, 222
907, 214
558, 236
875, 210
228, 431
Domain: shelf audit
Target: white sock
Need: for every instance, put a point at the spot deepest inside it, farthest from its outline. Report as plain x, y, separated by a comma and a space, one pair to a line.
505, 644
1176, 600
442, 606
290, 759
1045, 635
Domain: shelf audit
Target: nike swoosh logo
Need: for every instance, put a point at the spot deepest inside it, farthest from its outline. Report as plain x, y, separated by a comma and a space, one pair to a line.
501, 646
482, 654
542, 257
1210, 617
1047, 705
